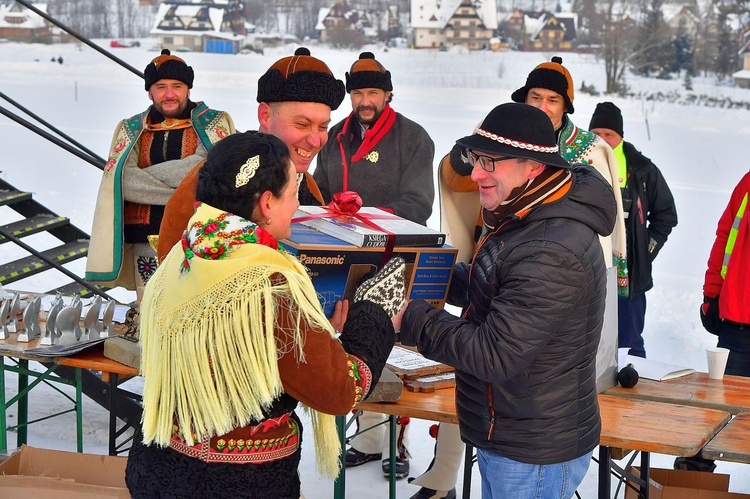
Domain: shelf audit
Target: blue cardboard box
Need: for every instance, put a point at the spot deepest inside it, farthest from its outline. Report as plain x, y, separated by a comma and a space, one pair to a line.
337, 268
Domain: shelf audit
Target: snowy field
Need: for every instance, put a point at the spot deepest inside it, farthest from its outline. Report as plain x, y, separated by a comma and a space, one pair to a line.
698, 149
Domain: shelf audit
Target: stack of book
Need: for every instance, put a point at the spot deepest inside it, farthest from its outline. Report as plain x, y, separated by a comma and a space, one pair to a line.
353, 230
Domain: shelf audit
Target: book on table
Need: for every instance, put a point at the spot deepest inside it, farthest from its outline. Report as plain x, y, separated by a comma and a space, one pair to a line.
353, 230
407, 363
657, 371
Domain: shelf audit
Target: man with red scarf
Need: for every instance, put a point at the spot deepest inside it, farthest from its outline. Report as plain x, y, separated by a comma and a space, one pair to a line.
387, 159
380, 154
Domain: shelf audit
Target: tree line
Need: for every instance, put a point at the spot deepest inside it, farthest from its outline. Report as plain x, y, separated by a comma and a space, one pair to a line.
630, 34
634, 35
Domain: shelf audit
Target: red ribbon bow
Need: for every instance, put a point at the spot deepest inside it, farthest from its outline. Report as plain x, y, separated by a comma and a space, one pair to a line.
347, 204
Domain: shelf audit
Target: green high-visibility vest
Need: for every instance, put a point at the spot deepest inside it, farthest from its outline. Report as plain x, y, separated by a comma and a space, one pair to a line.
733, 236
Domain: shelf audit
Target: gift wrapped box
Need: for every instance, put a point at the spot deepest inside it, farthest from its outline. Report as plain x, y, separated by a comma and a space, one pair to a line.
368, 227
338, 268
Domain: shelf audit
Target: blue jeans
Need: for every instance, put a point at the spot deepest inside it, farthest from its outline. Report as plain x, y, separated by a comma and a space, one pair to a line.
631, 315
504, 478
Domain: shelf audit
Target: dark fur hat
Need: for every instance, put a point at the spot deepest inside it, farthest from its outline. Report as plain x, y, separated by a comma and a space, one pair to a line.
168, 66
300, 78
366, 72
552, 76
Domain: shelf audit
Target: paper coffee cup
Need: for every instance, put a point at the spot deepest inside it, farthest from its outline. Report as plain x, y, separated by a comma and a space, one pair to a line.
717, 361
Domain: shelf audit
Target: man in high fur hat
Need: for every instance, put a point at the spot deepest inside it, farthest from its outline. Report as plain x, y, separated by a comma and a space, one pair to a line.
150, 154
295, 98
387, 159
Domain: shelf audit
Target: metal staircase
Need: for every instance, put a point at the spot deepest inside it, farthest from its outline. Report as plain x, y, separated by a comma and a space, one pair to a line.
34, 219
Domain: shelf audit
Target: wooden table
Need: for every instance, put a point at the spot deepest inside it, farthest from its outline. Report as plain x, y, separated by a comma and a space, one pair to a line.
112, 372
648, 426
90, 360
733, 441
731, 394
439, 405
18, 362
641, 425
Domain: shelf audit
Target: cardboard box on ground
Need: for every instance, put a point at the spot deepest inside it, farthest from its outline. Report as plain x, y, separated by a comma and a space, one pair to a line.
681, 484
34, 473
338, 268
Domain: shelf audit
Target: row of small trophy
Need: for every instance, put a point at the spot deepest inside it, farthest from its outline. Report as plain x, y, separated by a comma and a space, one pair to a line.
63, 322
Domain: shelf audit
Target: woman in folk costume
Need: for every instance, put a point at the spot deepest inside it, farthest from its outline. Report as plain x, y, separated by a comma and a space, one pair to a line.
233, 338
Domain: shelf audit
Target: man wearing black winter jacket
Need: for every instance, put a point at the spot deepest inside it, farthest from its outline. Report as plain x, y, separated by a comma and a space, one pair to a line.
533, 298
650, 215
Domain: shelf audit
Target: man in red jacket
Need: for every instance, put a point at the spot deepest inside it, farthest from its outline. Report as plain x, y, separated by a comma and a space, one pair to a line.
726, 293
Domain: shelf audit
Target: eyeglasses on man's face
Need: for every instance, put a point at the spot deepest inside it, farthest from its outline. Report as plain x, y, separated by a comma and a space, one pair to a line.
487, 163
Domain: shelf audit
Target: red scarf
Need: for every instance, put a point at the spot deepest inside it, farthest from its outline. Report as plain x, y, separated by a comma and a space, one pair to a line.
373, 135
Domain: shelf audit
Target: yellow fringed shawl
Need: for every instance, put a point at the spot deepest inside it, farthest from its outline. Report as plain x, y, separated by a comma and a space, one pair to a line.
209, 354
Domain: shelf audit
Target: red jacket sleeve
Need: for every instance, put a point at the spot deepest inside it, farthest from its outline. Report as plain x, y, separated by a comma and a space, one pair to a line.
713, 281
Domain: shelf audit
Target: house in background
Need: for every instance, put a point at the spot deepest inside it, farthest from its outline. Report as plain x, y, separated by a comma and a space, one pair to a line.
21, 24
200, 27
542, 30
448, 23
340, 16
680, 17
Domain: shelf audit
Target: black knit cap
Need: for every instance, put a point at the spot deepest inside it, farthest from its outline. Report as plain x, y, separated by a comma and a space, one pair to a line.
607, 115
168, 66
300, 78
366, 72
552, 76
517, 131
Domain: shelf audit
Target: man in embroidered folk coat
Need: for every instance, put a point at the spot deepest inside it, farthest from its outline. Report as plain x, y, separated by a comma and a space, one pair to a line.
549, 87
150, 154
387, 159
380, 154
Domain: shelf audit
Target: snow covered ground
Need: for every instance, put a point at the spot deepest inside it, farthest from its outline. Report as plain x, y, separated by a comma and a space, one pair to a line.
699, 150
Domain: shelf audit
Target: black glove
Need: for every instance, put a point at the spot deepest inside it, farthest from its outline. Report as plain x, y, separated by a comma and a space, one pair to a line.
710, 314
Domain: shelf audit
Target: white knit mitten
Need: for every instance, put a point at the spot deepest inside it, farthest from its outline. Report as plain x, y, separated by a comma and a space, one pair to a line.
387, 288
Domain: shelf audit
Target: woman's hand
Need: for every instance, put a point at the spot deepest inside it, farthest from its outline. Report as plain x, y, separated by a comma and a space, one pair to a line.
398, 317
338, 318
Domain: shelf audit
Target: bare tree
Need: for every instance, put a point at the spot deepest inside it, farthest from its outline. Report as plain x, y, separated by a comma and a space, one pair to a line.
704, 47
654, 53
618, 40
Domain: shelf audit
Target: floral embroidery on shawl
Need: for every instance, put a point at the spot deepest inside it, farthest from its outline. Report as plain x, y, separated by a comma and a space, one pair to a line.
216, 238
